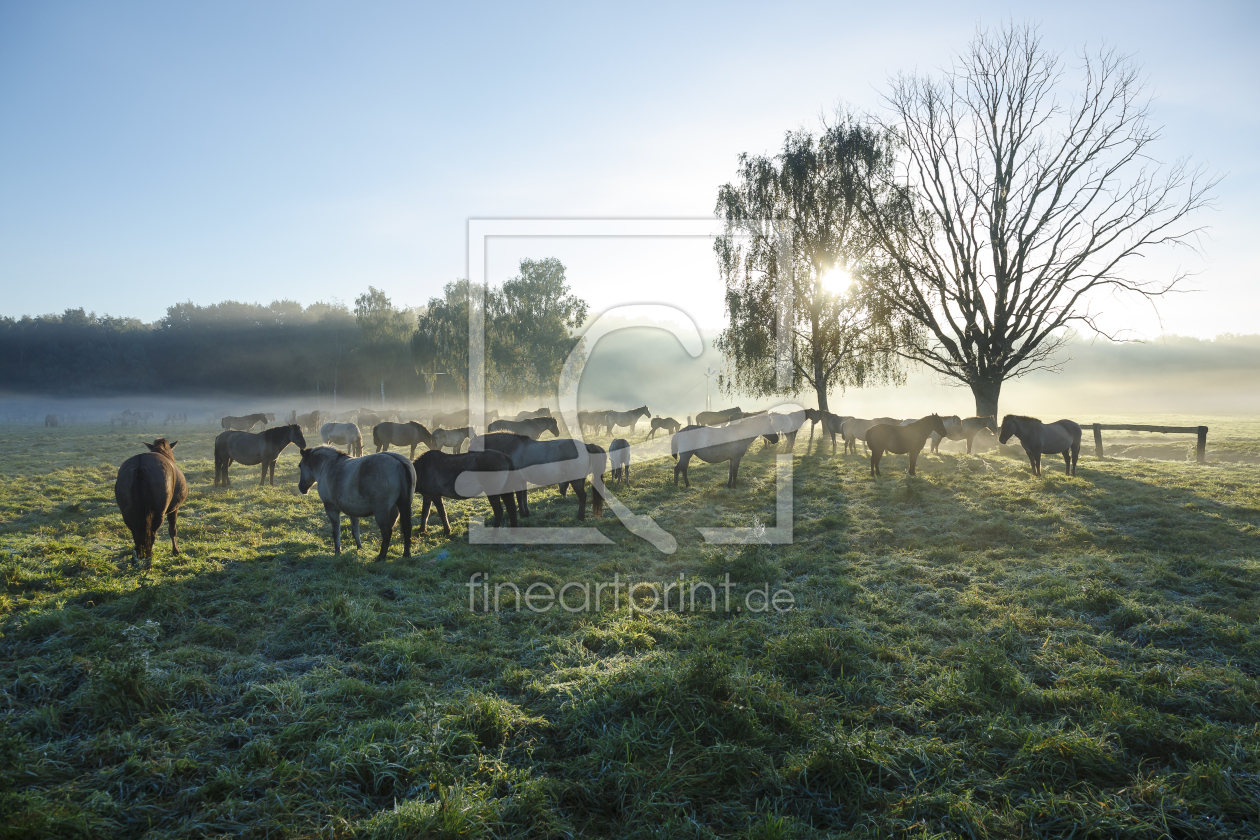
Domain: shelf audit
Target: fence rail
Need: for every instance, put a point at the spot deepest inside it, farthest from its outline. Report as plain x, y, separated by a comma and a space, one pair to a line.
1200, 431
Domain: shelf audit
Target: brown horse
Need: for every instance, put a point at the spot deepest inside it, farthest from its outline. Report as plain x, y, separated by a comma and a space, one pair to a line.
855, 428
454, 438
544, 463
532, 427
400, 434
149, 486
242, 424
713, 418
833, 425
669, 424
534, 415
901, 440
311, 422
625, 418
1037, 438
593, 420
437, 475
249, 449
715, 445
958, 428
366, 418
450, 419
52, 420
379, 485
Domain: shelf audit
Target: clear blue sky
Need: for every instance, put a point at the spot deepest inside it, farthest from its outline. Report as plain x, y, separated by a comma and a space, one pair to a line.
158, 152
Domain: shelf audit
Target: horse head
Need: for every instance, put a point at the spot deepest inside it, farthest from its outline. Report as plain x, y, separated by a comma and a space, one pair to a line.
938, 425
161, 447
1009, 427
551, 426
307, 468
295, 436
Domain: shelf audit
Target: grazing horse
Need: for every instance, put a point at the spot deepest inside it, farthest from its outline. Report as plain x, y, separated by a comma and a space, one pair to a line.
854, 429
625, 418
436, 474
379, 485
242, 424
51, 420
531, 428
400, 434
619, 460
832, 425
343, 434
454, 438
311, 422
966, 429
535, 414
1037, 438
451, 419
366, 418
713, 418
149, 486
901, 440
669, 424
249, 449
543, 463
788, 424
715, 445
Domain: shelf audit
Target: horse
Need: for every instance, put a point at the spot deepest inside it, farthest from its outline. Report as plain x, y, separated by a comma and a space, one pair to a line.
788, 424
454, 438
534, 415
149, 487
713, 418
451, 419
669, 424
1037, 438
311, 422
901, 440
242, 424
715, 445
619, 460
854, 429
593, 420
400, 434
532, 428
249, 449
625, 418
379, 485
366, 418
51, 421
544, 463
343, 434
957, 428
437, 474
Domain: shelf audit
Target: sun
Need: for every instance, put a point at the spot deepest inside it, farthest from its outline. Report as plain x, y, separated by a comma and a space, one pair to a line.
837, 280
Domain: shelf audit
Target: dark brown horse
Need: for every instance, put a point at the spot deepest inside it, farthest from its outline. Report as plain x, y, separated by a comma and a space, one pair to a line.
669, 424
401, 434
311, 422
901, 440
712, 418
149, 486
593, 420
532, 427
52, 420
625, 418
248, 448
715, 445
437, 475
242, 424
1037, 438
544, 463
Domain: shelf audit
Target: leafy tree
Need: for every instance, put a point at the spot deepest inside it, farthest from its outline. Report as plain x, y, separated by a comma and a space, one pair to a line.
384, 332
1022, 202
440, 343
530, 326
793, 228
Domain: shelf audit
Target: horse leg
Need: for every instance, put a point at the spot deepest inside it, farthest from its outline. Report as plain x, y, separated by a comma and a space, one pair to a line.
876, 454
404, 523
496, 505
522, 502
509, 501
354, 532
424, 514
914, 456
385, 521
334, 519
174, 529
733, 474
262, 479
441, 509
579, 490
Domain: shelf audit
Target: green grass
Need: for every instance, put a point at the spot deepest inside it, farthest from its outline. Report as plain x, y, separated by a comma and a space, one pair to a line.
976, 653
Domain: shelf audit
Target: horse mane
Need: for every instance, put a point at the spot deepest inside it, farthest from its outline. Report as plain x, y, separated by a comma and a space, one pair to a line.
1019, 417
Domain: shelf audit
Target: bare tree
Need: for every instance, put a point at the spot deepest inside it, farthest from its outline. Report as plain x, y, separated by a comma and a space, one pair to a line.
1020, 205
799, 261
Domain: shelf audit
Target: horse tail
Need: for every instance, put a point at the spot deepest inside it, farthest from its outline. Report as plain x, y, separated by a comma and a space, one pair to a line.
144, 512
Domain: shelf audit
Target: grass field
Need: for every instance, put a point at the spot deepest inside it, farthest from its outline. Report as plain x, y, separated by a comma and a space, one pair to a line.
975, 653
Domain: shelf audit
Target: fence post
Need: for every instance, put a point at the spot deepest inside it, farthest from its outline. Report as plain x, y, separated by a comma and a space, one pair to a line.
1098, 450
1200, 450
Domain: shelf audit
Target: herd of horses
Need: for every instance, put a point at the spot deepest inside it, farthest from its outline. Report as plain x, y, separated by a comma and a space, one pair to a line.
511, 456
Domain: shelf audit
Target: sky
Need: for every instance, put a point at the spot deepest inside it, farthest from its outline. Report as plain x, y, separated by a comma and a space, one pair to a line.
156, 152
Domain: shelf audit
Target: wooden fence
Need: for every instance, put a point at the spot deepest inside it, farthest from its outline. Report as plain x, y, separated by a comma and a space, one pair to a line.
1200, 431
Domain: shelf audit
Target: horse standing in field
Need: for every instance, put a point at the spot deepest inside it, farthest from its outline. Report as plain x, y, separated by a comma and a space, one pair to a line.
713, 418
854, 429
437, 475
901, 440
343, 434
400, 434
593, 420
625, 418
51, 421
366, 418
249, 449
379, 485
669, 424
1037, 438
451, 419
619, 460
544, 463
149, 487
715, 445
534, 415
242, 424
310, 422
454, 438
531, 428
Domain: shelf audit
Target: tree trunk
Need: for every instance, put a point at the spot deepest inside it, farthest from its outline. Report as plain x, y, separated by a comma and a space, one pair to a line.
821, 391
986, 393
